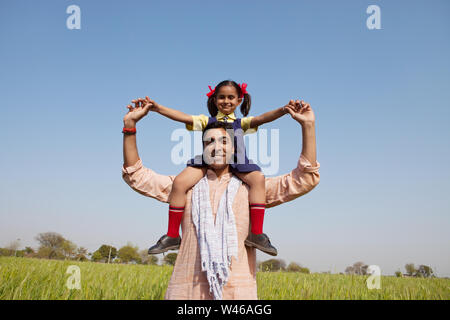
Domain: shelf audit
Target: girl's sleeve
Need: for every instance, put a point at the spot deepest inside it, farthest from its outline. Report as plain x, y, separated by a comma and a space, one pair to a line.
290, 186
198, 123
147, 182
245, 124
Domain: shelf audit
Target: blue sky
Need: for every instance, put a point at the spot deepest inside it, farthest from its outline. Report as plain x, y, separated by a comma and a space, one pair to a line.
381, 99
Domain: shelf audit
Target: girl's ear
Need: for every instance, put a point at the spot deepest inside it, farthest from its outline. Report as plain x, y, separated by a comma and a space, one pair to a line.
240, 100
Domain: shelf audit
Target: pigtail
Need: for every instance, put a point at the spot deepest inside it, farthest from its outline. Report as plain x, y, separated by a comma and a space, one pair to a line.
212, 108
246, 104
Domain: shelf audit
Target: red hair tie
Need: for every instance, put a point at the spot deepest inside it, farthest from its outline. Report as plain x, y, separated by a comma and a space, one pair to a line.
211, 92
243, 90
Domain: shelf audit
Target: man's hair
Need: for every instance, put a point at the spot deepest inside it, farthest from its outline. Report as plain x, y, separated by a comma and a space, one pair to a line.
217, 125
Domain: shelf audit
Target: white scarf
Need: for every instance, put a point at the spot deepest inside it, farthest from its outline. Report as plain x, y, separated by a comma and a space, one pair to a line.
218, 243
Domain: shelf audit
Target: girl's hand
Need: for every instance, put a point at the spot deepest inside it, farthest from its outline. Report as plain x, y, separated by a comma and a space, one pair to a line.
301, 111
154, 106
140, 110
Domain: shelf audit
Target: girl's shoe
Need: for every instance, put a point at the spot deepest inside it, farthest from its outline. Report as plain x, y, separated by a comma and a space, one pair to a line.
261, 241
164, 244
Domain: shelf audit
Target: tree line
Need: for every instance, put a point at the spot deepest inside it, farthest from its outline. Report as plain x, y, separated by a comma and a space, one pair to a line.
422, 271
52, 245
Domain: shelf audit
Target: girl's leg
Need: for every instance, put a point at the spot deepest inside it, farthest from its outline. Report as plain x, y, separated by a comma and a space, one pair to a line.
257, 198
177, 198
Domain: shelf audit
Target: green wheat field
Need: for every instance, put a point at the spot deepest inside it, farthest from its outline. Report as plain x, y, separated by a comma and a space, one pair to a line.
26, 278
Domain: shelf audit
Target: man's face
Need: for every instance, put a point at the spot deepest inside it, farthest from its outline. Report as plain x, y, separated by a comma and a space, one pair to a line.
217, 147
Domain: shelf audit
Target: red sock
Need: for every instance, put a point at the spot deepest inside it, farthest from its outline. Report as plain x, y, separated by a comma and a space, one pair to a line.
257, 217
175, 214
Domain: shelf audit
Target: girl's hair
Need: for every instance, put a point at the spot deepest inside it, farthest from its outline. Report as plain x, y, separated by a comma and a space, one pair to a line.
245, 106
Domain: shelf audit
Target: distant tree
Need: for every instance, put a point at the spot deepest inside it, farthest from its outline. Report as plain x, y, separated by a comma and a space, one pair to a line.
68, 249
97, 257
129, 253
424, 271
50, 239
398, 274
349, 270
170, 258
152, 260
272, 265
6, 252
51, 244
293, 267
410, 269
304, 270
81, 253
364, 269
360, 268
103, 253
29, 251
49, 253
148, 259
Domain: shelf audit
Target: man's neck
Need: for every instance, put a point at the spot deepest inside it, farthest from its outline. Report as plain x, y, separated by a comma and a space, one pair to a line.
221, 171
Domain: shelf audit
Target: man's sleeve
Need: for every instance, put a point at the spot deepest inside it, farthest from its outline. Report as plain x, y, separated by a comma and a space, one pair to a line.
292, 185
198, 123
245, 124
147, 182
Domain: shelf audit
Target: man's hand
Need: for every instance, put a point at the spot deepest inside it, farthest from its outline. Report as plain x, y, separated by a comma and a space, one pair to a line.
140, 110
301, 111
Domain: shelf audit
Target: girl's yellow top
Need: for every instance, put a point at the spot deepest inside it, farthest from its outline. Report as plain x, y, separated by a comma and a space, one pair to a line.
199, 122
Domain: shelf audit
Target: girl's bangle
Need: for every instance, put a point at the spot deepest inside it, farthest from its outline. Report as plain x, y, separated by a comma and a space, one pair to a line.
129, 130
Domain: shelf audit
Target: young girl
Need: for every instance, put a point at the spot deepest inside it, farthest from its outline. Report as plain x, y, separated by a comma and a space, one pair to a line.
222, 101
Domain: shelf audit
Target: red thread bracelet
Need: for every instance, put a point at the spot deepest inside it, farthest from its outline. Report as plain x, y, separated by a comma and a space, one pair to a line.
129, 130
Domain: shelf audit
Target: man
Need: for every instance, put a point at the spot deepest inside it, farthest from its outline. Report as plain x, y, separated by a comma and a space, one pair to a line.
188, 281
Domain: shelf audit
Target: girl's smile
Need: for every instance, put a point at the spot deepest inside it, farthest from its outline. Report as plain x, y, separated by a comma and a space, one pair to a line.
227, 99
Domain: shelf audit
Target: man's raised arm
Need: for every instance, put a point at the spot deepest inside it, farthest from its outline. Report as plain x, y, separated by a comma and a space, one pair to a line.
306, 175
141, 179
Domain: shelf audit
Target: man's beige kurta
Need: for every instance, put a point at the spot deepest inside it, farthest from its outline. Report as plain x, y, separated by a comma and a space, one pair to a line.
188, 281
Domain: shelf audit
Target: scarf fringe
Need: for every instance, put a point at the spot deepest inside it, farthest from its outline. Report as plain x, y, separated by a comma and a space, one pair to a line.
217, 242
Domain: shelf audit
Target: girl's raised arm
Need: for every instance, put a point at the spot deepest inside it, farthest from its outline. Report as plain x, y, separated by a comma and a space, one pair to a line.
169, 112
269, 116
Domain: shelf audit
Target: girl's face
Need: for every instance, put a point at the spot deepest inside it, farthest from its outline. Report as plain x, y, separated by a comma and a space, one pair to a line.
227, 99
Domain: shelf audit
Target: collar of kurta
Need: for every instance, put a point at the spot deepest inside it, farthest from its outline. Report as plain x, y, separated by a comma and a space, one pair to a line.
211, 174
224, 117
